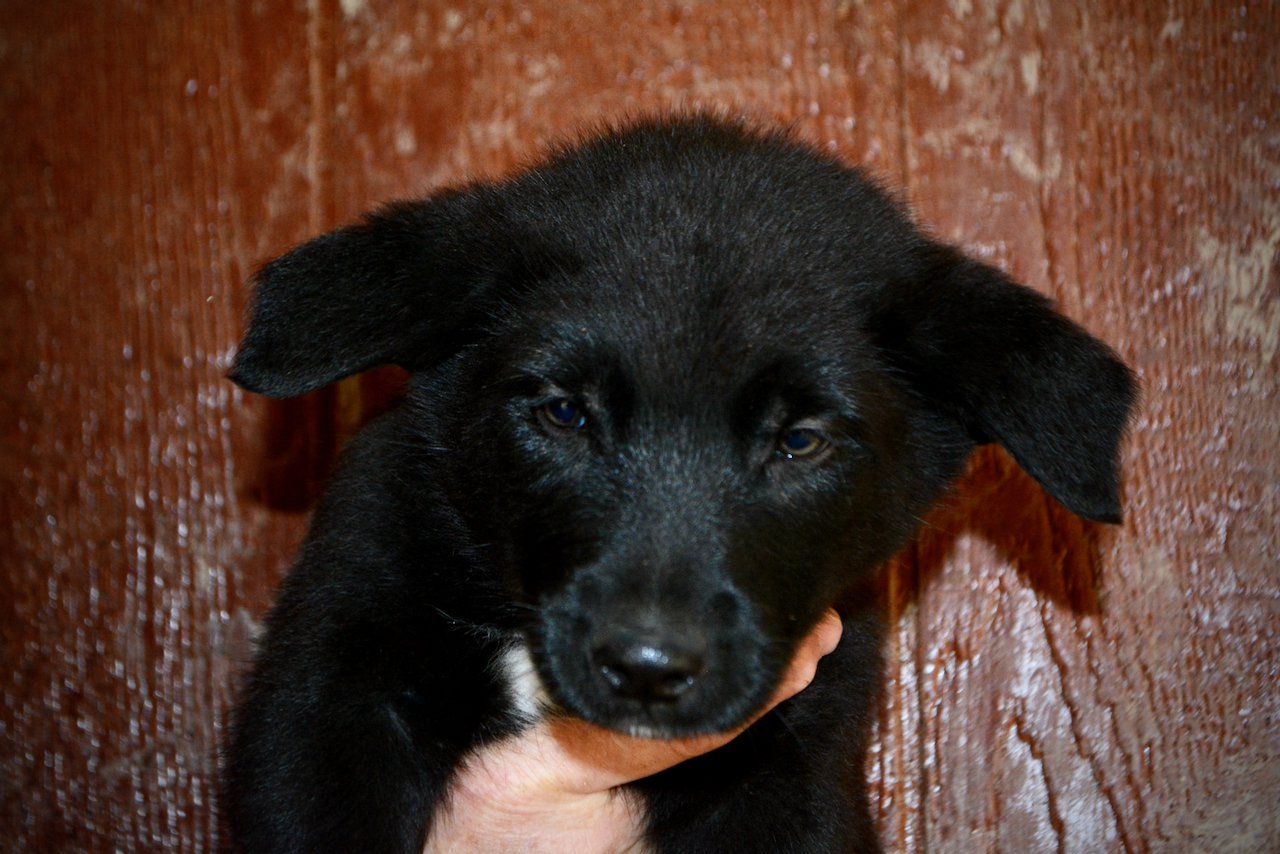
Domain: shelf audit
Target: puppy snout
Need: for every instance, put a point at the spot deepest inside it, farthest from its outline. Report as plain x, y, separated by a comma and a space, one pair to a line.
649, 666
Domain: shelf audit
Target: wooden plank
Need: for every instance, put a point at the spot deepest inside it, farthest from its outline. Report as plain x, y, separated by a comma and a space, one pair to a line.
1090, 690
152, 154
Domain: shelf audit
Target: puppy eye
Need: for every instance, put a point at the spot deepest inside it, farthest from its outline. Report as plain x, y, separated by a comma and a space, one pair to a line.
563, 414
801, 443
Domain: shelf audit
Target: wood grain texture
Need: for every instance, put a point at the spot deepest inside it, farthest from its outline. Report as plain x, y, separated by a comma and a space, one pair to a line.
1122, 171
1053, 686
148, 163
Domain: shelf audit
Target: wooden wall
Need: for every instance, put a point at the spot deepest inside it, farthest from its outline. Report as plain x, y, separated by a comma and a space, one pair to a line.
1054, 686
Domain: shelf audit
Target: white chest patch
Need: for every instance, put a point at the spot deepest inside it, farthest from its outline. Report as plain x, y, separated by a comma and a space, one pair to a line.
529, 698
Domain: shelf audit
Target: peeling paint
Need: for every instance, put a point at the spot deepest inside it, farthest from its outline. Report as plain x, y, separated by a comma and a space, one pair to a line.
1172, 30
1015, 15
1024, 162
931, 58
1247, 308
975, 137
1239, 270
1031, 71
406, 144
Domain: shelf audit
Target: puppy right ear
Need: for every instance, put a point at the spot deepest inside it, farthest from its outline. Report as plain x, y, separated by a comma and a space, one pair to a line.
396, 288
998, 359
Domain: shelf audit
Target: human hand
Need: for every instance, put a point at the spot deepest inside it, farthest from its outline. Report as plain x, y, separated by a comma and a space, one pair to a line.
554, 786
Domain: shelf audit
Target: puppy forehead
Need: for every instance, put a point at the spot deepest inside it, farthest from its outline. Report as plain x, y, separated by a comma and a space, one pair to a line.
687, 343
723, 297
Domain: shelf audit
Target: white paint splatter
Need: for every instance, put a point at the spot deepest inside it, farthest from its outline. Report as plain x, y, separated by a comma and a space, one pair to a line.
931, 58
1238, 267
406, 144
1031, 71
1025, 164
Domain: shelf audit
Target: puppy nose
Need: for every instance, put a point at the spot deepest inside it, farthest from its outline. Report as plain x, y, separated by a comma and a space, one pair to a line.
647, 666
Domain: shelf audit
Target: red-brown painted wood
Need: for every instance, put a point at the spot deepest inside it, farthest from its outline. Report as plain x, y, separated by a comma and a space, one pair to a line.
1053, 686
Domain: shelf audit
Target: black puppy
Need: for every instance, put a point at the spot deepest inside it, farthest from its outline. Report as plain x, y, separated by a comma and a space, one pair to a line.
673, 393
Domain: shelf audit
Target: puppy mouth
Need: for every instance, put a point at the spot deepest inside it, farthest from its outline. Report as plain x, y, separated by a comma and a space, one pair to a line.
652, 720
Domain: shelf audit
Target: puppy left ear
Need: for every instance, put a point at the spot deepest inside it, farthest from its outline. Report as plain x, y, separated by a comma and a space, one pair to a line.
396, 288
1001, 361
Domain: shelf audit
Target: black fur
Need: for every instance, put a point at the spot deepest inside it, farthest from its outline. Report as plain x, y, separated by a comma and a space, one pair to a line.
611, 356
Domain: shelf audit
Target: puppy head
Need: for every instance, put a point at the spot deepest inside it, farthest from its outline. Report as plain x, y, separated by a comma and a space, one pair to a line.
693, 380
